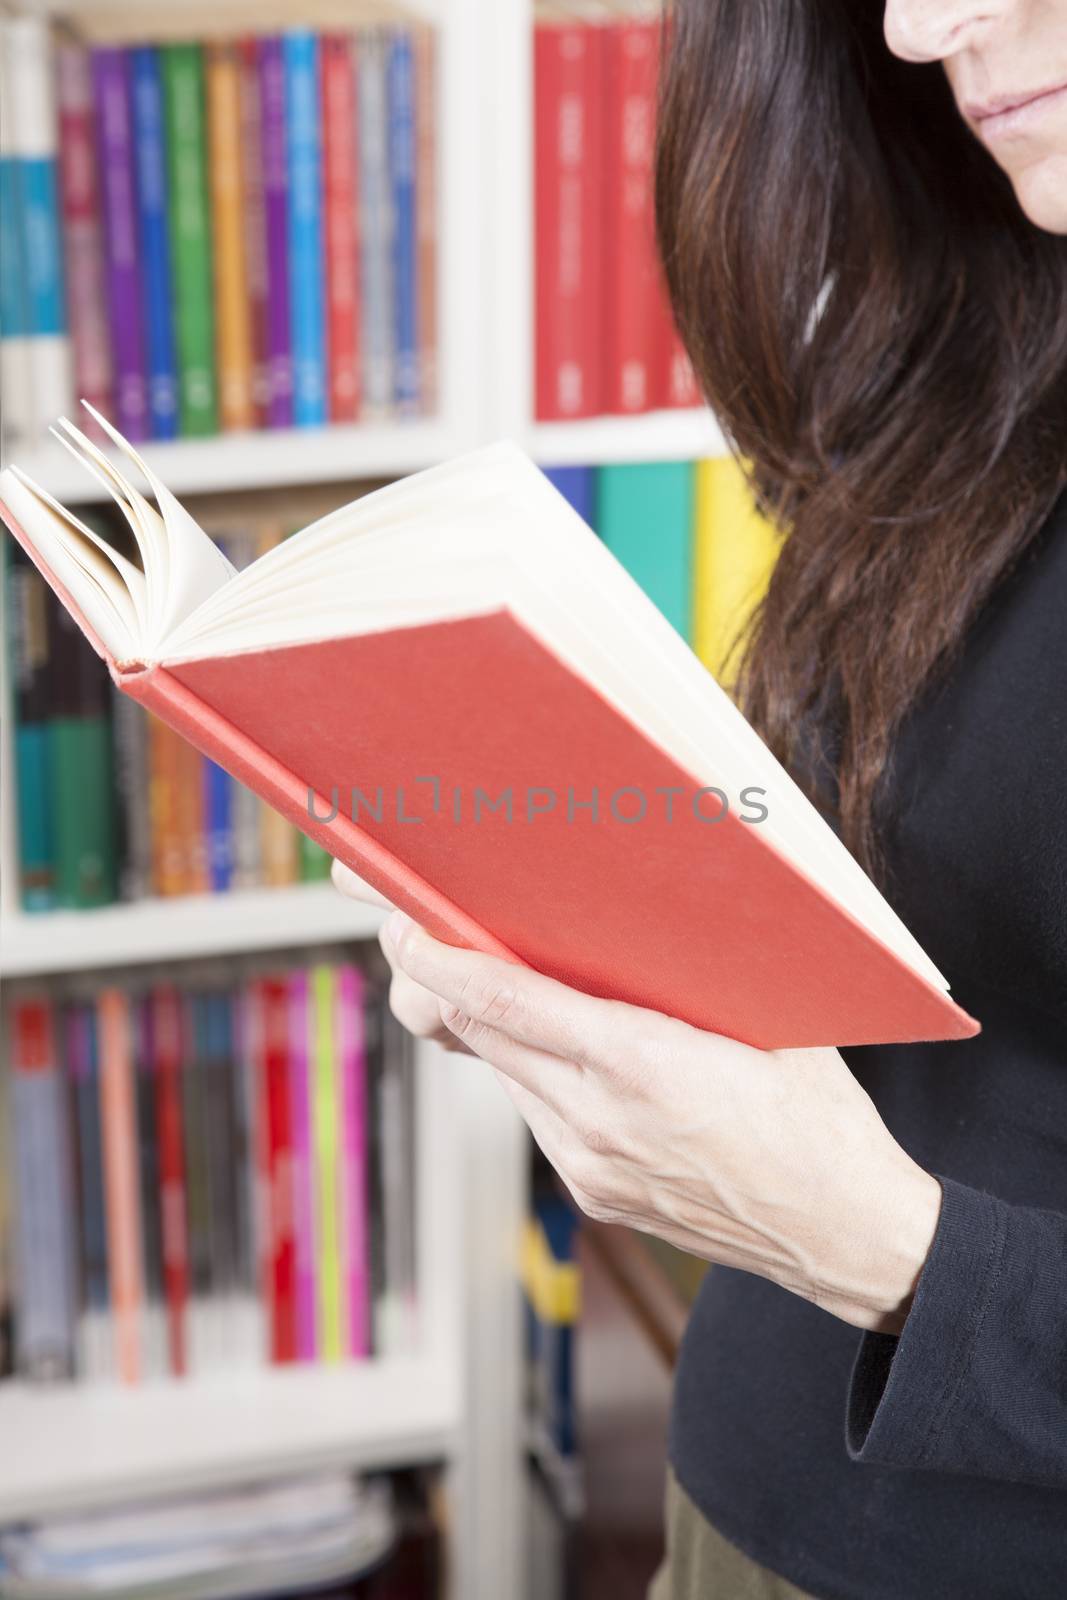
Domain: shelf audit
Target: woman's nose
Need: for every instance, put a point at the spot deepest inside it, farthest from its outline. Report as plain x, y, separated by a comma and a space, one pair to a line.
930, 30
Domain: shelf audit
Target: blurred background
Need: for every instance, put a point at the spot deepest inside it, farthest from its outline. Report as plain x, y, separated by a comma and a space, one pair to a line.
288, 1304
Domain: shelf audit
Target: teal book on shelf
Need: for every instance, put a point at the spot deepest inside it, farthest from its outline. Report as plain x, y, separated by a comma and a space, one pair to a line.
644, 514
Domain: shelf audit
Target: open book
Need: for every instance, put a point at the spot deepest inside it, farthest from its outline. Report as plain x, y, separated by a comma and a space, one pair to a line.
455, 688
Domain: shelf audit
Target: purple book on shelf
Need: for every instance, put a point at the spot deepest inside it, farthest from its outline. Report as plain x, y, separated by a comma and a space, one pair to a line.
303, 1174
354, 1231
111, 93
276, 205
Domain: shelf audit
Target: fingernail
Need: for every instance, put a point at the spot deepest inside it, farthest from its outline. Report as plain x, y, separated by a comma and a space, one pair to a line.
396, 925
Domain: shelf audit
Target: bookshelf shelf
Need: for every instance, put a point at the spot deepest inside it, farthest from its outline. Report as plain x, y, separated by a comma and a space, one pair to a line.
607, 441
198, 925
78, 1446
241, 461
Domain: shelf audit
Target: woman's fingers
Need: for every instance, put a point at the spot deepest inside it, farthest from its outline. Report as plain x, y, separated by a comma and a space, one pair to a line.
509, 1000
352, 885
553, 1080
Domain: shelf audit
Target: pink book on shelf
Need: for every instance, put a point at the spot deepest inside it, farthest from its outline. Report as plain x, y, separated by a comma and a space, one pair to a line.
303, 1174
82, 228
121, 1192
353, 1223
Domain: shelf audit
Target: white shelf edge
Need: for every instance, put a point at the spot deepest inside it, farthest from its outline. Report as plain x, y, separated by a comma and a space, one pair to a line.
267, 459
607, 441
185, 926
70, 1447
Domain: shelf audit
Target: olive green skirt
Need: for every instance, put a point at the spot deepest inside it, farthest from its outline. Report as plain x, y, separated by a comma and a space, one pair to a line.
701, 1565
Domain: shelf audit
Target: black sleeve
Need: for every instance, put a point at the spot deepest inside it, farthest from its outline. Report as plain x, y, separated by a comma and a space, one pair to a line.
977, 1381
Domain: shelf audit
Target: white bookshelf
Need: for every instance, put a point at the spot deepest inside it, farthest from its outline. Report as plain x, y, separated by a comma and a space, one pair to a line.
457, 1399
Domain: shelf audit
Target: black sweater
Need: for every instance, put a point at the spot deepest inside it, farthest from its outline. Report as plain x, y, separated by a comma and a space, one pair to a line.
934, 1466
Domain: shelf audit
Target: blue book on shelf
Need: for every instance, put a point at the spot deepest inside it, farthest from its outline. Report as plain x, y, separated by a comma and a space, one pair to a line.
218, 822
401, 102
46, 304
578, 486
151, 169
307, 303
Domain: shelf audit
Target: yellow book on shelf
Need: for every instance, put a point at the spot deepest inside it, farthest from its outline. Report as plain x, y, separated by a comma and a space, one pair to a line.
734, 551
324, 1138
233, 319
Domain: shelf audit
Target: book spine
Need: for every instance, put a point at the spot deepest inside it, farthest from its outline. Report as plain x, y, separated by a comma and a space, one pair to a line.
341, 219
568, 189
631, 72
118, 1120
44, 1241
315, 862
129, 730
222, 1189
82, 231
303, 1169
578, 486
192, 840
401, 112
397, 1317
35, 131
218, 806
151, 185
233, 319
167, 1048
16, 395
30, 608
325, 1100
306, 288
254, 215
81, 771
202, 1324
183, 87
111, 96
735, 552
243, 1159
354, 1220
376, 226
644, 515
95, 1333
425, 46
168, 871
275, 1024
155, 1342
276, 205
252, 1008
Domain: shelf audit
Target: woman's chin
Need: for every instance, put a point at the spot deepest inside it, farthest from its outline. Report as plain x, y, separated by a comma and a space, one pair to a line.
1041, 190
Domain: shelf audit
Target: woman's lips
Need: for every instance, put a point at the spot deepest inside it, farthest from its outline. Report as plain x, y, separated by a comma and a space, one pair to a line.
1015, 116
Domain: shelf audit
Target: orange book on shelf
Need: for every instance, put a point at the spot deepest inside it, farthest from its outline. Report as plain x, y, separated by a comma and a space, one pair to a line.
460, 652
169, 875
233, 306
118, 1127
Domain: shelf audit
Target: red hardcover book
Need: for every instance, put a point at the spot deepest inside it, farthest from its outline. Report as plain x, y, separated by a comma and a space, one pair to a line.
569, 219
633, 283
460, 648
341, 196
275, 1096
255, 222
166, 1033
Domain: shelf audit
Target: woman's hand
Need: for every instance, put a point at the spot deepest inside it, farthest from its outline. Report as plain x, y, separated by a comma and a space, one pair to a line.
411, 1004
776, 1162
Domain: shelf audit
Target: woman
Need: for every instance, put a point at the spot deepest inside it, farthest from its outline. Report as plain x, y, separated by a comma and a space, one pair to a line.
861, 213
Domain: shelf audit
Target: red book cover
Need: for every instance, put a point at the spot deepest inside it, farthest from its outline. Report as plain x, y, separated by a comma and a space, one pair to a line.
341, 197
633, 283
166, 1033
273, 1029
255, 222
569, 252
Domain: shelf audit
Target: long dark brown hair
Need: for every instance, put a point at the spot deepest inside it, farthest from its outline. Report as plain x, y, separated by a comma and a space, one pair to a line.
883, 335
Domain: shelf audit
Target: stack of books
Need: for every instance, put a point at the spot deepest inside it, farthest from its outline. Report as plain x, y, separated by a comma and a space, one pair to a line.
210, 1172
216, 233
605, 337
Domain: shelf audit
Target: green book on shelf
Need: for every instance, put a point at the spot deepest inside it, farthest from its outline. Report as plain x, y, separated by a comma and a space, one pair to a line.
190, 236
315, 862
644, 514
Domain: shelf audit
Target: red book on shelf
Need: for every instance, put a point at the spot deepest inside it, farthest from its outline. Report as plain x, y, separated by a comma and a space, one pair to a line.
341, 197
166, 1033
460, 648
569, 219
633, 284
275, 1097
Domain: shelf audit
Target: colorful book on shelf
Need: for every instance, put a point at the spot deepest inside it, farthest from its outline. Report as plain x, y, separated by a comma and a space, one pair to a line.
233, 303
340, 171
150, 166
402, 158
118, 1116
644, 514
378, 325
82, 225
634, 282
279, 349
16, 396
607, 793
30, 620
190, 235
735, 549
303, 95
114, 120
